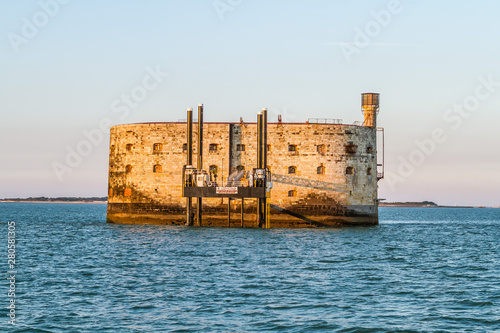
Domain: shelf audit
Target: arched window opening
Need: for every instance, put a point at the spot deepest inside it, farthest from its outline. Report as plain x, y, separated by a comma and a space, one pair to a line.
321, 149
351, 148
213, 171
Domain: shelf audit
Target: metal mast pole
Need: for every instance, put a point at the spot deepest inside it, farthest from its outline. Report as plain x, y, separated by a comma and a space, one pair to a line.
189, 218
259, 164
264, 161
199, 205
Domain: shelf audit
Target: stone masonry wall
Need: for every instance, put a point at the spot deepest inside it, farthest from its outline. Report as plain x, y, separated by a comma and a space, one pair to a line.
335, 148
361, 188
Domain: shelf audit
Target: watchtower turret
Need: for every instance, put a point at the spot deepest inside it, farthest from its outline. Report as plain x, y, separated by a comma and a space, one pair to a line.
370, 105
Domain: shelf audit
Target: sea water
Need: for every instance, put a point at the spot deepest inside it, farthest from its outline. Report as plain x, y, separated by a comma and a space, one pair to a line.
420, 270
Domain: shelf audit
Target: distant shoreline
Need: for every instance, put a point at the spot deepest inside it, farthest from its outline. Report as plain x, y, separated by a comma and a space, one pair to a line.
79, 200
55, 201
425, 204
69, 200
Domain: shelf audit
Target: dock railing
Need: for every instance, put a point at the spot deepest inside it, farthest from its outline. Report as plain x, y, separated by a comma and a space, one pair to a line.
200, 178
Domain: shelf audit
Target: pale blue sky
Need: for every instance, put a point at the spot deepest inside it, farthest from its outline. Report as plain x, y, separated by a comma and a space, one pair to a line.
283, 55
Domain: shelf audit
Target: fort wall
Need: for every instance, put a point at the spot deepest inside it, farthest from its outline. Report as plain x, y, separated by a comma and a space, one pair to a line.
146, 162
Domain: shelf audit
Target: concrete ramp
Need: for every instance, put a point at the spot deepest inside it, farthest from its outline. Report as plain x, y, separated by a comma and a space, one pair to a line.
302, 217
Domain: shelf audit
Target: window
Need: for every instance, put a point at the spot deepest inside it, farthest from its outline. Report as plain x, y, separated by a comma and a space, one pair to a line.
157, 147
369, 171
369, 150
321, 149
240, 147
320, 170
127, 192
292, 169
240, 168
128, 169
351, 148
268, 147
213, 147
185, 147
129, 146
292, 193
157, 168
292, 147
349, 171
213, 170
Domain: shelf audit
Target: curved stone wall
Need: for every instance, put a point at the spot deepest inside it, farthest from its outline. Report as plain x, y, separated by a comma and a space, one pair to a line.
146, 161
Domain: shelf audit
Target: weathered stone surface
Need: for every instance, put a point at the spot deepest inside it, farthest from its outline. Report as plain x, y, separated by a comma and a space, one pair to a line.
145, 184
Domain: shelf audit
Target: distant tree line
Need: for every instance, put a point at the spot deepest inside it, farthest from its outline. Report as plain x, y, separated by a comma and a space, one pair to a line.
66, 199
420, 203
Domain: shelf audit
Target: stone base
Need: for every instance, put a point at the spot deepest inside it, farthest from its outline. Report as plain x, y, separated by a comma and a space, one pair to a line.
353, 216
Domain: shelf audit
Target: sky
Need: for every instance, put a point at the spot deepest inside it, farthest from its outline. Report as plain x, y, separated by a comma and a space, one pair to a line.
70, 68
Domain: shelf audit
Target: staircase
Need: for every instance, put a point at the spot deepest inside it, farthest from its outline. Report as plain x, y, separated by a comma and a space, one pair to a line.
309, 183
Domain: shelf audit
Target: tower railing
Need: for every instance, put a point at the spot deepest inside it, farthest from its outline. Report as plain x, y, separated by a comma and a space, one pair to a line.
325, 121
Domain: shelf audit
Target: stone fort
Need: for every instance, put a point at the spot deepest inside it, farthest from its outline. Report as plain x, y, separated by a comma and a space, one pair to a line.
324, 173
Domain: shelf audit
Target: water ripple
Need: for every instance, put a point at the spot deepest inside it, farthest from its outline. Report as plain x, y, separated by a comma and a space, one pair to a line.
421, 270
